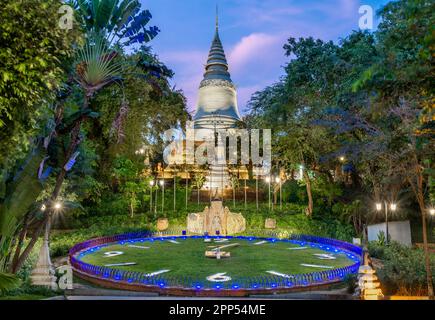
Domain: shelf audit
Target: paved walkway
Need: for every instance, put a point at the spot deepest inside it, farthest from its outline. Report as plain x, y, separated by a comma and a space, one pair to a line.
83, 291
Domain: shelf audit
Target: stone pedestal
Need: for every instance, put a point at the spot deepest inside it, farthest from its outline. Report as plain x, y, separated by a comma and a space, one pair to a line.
162, 224
216, 219
270, 223
43, 273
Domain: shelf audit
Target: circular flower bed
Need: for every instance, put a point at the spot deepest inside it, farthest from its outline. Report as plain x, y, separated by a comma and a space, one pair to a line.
336, 260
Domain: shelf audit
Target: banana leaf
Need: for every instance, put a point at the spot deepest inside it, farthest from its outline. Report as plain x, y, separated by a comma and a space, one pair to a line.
8, 282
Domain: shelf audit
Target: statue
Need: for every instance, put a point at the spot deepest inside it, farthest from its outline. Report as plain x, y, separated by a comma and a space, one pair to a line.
216, 218
216, 224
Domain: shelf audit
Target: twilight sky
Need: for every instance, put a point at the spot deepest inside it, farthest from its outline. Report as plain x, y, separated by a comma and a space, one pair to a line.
253, 33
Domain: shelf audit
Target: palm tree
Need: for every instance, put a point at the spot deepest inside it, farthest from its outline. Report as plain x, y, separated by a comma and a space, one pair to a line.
110, 26
120, 21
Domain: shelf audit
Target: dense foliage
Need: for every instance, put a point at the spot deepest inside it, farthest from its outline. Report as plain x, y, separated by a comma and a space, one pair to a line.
403, 269
368, 97
78, 129
31, 69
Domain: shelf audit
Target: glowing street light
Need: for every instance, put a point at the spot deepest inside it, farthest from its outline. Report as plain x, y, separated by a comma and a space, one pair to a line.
432, 211
378, 206
58, 205
301, 172
43, 207
151, 195
162, 183
141, 151
342, 159
393, 208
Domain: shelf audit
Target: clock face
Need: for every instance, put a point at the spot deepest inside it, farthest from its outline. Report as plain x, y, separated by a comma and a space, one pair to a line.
210, 262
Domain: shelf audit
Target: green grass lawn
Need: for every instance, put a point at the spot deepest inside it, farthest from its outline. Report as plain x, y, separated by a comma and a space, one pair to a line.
187, 258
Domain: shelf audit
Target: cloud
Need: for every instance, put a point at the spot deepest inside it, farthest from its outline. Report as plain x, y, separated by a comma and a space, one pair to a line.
254, 48
188, 66
255, 61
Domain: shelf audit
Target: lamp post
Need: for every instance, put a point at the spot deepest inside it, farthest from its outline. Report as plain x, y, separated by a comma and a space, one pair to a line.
151, 195
211, 184
430, 289
246, 203
256, 188
43, 273
393, 207
156, 200
268, 182
175, 186
278, 180
162, 183
187, 186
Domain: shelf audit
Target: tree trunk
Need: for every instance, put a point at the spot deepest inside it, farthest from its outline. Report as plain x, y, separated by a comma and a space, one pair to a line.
20, 261
21, 238
275, 194
131, 209
423, 210
75, 132
309, 211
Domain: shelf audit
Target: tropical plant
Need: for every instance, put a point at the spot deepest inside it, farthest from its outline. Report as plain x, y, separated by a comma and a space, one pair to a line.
99, 64
403, 270
8, 282
31, 64
198, 180
120, 22
20, 194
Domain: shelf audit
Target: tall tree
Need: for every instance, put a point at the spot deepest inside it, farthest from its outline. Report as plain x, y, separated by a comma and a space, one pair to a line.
99, 63
33, 49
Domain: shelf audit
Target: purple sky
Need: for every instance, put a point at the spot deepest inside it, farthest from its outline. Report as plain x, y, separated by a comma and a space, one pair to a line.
253, 33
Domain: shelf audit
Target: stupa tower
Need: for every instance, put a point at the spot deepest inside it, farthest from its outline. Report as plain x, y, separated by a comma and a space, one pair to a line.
217, 97
216, 109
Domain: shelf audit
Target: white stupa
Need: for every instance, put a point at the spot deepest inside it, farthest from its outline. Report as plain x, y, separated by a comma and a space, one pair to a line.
216, 109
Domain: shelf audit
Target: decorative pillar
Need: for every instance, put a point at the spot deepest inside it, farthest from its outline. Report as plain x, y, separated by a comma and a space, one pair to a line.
43, 273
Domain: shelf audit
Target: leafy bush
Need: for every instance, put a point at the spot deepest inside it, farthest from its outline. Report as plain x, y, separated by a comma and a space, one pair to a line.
404, 270
26, 288
8, 282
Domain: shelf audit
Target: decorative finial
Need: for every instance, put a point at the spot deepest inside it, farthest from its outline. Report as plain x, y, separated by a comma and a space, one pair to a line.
217, 17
